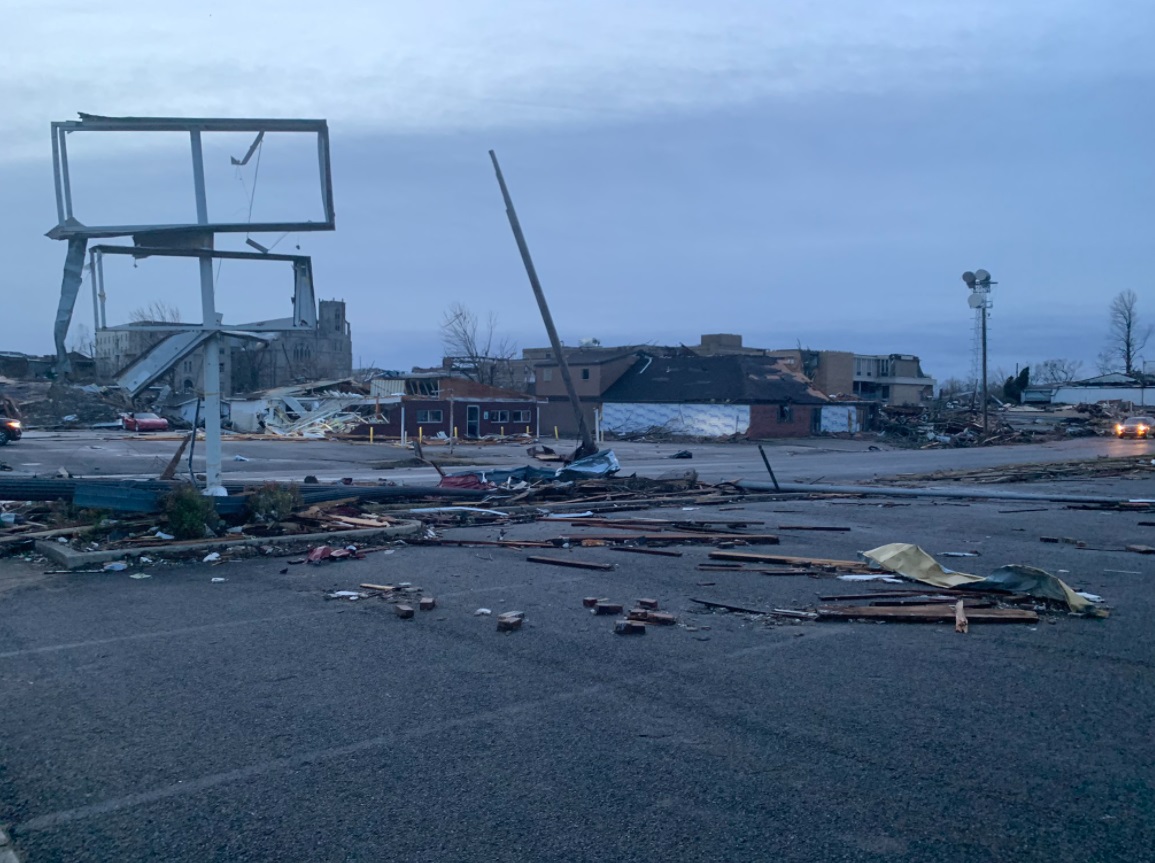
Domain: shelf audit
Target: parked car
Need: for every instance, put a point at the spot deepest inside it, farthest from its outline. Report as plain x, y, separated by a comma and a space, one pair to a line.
1135, 427
10, 429
143, 422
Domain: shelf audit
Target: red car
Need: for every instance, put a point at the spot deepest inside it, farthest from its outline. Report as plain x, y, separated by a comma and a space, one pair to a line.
143, 422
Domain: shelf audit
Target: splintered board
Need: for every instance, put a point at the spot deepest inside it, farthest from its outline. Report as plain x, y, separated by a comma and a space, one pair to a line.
943, 613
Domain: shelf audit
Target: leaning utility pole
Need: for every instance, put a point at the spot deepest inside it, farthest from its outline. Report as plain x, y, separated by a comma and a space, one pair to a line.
587, 447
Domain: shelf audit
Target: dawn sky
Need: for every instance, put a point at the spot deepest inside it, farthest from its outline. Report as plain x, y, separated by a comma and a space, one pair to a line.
799, 173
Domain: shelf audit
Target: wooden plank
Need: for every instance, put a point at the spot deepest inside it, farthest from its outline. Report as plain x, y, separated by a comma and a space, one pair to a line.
809, 527
757, 570
705, 538
741, 609
171, 468
758, 557
977, 602
655, 551
362, 522
655, 522
575, 564
504, 543
880, 594
17, 538
925, 614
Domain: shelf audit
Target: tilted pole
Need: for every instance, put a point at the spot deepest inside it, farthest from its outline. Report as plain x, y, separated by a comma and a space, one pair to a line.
588, 447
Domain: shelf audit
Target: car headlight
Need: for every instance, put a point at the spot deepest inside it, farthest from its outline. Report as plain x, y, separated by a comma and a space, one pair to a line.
14, 424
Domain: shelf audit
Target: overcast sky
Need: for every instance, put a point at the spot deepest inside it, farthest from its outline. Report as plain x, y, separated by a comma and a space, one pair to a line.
797, 172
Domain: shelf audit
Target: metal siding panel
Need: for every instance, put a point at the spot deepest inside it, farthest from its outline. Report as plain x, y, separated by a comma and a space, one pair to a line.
692, 420
839, 418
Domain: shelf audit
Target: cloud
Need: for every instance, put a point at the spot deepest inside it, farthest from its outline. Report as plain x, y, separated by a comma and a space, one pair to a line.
403, 66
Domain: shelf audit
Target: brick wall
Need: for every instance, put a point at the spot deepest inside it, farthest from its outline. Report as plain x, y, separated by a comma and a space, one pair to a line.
766, 422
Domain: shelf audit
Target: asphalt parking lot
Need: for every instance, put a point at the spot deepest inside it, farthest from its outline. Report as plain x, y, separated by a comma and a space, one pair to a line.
115, 454
177, 718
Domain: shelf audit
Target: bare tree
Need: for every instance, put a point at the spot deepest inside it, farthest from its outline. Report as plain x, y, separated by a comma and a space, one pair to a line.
1126, 337
156, 312
953, 387
473, 349
1056, 371
82, 341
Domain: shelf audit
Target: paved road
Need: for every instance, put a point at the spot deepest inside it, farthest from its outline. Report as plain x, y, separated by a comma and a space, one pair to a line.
177, 719
831, 460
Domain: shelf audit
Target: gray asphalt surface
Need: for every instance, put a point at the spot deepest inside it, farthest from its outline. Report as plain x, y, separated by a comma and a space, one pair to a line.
177, 719
103, 454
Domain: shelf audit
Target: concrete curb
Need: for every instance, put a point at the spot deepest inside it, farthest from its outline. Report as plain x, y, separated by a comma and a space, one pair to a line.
70, 558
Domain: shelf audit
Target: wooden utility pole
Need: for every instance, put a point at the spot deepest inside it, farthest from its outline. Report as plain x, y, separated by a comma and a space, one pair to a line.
587, 447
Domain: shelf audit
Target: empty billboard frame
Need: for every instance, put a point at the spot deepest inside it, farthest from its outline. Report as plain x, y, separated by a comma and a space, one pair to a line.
70, 223
304, 314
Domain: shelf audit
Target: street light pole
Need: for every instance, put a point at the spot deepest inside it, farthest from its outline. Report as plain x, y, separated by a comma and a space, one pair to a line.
986, 400
980, 283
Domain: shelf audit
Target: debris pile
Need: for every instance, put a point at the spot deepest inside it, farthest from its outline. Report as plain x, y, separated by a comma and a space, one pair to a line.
57, 405
1131, 467
313, 412
1011, 594
952, 425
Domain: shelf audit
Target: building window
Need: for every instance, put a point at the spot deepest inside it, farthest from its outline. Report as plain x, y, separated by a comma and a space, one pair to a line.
886, 394
429, 416
499, 416
522, 416
585, 374
547, 374
884, 368
188, 365
785, 413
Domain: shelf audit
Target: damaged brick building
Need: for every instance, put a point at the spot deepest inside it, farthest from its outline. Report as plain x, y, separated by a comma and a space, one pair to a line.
250, 361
